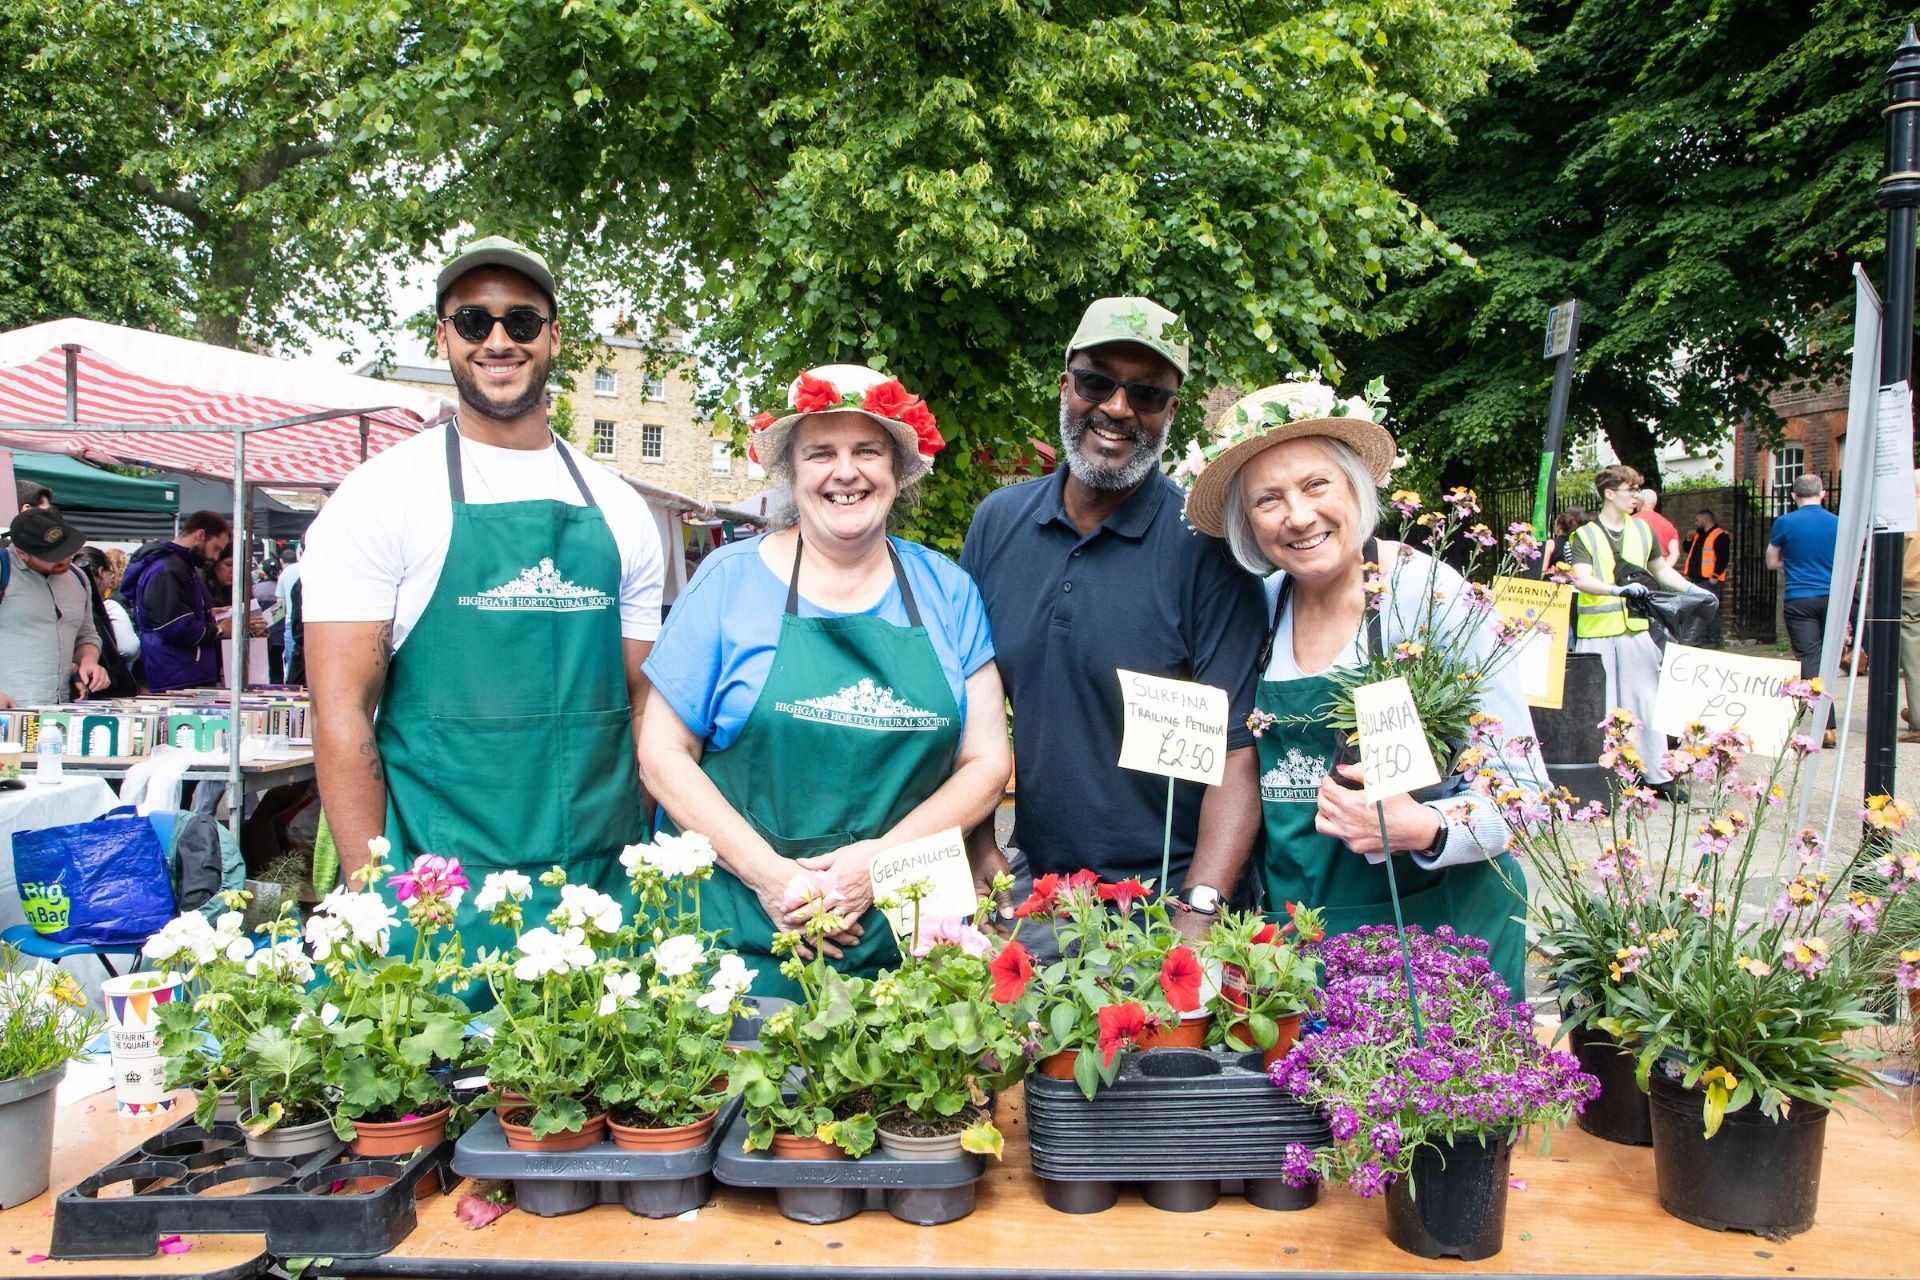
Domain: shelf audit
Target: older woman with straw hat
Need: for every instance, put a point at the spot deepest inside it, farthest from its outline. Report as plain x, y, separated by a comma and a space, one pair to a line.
824, 691
1290, 482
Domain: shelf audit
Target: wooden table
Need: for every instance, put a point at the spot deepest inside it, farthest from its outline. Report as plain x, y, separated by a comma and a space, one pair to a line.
1588, 1210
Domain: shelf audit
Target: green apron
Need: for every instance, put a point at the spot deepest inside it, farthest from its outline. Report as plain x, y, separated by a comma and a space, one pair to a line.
506, 727
1299, 864
855, 726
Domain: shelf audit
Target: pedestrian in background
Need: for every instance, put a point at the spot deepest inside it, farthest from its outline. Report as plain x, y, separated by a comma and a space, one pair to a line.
1801, 549
1910, 628
48, 644
1666, 538
1705, 565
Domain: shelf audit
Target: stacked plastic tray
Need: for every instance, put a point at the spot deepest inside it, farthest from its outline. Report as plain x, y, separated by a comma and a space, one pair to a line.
549, 1184
923, 1192
190, 1180
1184, 1125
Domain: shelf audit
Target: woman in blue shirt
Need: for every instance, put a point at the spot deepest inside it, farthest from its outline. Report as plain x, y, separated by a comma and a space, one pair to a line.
823, 692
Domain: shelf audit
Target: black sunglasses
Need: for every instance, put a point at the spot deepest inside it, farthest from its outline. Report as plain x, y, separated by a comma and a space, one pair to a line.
523, 324
1096, 387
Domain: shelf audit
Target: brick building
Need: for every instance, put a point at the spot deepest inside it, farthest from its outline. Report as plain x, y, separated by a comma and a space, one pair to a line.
640, 423
1812, 439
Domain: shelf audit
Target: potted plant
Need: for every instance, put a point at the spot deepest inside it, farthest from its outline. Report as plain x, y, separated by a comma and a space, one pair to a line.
235, 990
394, 1018
949, 1044
44, 1021
550, 1047
1428, 1117
1266, 979
1742, 1017
808, 1086
671, 995
1126, 978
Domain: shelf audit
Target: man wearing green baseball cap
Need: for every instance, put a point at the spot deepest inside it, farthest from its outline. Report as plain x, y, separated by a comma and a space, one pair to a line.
1091, 571
478, 601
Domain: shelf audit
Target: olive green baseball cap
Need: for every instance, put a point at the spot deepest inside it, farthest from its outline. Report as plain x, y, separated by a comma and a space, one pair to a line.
1141, 321
496, 251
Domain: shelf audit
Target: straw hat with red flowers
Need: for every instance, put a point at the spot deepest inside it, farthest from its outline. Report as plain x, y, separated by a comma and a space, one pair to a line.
850, 388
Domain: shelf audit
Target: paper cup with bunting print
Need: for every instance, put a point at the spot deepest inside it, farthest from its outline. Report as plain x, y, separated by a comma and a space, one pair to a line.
134, 1002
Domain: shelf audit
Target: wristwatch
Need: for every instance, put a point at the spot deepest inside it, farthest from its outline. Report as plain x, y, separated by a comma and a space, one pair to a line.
1203, 898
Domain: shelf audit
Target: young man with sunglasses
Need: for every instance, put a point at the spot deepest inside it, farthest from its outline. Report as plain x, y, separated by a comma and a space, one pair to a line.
1092, 570
477, 603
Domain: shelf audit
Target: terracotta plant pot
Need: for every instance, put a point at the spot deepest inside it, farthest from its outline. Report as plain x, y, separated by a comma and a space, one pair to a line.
520, 1136
791, 1146
1188, 1033
675, 1138
1059, 1066
1289, 1028
402, 1138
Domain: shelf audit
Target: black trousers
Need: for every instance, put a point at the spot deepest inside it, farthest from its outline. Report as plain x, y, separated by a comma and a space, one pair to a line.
1806, 626
1717, 635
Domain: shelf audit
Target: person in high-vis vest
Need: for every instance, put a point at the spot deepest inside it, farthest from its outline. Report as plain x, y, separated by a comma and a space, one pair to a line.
1600, 550
1705, 563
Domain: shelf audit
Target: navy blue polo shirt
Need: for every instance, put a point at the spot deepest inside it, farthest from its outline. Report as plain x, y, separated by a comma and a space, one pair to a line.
1805, 536
1142, 592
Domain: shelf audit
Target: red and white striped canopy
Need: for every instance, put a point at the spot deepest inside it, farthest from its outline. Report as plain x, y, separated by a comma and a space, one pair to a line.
132, 378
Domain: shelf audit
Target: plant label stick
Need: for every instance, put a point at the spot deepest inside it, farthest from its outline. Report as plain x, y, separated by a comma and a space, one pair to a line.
1175, 728
1396, 759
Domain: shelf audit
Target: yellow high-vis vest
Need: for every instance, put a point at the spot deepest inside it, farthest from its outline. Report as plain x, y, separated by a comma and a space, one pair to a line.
1595, 617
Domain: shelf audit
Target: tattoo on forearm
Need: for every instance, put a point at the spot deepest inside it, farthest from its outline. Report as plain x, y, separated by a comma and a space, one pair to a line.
371, 751
383, 645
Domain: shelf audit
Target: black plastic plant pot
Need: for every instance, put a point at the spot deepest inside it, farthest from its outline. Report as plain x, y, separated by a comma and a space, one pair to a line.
1756, 1174
819, 1205
555, 1197
1453, 1204
931, 1206
1182, 1196
1277, 1194
1619, 1114
667, 1199
1066, 1196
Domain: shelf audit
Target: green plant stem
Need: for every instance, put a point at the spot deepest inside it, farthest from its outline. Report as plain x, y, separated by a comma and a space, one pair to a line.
1406, 952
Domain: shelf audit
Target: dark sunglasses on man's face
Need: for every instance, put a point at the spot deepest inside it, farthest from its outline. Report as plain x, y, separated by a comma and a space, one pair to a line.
523, 324
1096, 387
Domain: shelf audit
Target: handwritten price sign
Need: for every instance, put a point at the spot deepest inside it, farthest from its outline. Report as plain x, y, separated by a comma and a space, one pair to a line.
1175, 728
1393, 742
1724, 691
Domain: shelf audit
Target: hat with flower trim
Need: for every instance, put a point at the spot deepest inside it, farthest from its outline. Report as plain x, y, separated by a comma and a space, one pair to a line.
850, 388
1274, 415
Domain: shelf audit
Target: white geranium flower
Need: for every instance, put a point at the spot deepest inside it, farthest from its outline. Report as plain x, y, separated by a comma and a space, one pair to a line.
285, 959
587, 908
542, 951
634, 856
683, 855
677, 956
502, 886
187, 934
733, 974
379, 847
717, 1000
621, 989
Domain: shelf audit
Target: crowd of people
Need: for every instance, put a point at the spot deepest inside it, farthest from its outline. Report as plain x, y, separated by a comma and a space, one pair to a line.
80, 621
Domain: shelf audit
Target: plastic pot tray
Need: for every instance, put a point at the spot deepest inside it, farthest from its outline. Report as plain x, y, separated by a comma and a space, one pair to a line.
923, 1192
186, 1179
549, 1184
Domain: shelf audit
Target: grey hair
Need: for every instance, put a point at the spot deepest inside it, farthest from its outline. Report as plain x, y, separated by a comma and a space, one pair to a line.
1808, 486
1366, 498
786, 515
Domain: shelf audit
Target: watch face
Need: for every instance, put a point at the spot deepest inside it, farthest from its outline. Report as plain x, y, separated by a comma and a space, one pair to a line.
1203, 897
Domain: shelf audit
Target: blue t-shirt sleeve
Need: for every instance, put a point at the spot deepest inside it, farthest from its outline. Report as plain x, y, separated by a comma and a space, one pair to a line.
689, 655
959, 626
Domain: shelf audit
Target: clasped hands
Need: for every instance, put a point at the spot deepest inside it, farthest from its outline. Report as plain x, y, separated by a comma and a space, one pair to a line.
839, 882
1348, 816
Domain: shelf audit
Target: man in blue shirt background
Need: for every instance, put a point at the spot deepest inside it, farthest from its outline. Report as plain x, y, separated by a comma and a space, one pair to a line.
1093, 569
1802, 548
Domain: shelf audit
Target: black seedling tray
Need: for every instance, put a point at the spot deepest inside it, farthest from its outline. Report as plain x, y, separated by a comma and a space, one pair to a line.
549, 1184
1184, 1125
923, 1192
175, 1182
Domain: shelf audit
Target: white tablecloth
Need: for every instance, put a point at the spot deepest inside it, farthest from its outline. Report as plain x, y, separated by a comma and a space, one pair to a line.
73, 799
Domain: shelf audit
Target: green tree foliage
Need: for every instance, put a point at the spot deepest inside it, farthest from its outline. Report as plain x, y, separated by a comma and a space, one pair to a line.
939, 188
180, 165
1699, 173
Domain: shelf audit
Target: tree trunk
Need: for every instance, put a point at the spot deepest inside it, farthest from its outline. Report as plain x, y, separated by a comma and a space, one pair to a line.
1634, 444
231, 272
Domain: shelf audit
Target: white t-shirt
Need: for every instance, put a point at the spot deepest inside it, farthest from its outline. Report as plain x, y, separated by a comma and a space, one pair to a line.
376, 548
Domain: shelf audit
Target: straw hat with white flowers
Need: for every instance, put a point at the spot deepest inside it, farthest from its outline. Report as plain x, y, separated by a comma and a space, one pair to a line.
1274, 415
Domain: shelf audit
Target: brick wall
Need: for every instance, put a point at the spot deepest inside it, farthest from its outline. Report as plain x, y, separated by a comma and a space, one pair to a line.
684, 458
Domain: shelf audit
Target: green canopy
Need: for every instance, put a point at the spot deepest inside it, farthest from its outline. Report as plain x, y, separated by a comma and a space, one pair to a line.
75, 484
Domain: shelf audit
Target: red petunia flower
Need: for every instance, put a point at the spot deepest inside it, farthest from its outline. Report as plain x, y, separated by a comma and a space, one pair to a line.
887, 399
1122, 895
1180, 979
1082, 878
1045, 898
1121, 1026
811, 394
1269, 932
1012, 970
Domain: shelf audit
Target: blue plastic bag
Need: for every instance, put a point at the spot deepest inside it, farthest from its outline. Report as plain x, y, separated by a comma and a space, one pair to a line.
97, 884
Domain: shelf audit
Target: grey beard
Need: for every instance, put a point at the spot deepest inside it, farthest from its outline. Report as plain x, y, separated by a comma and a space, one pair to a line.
1146, 455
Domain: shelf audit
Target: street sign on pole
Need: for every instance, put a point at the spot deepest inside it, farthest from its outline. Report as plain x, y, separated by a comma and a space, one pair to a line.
1562, 345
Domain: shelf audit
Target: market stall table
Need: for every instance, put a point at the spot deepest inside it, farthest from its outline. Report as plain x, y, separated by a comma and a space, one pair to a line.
256, 775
